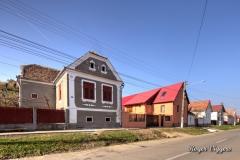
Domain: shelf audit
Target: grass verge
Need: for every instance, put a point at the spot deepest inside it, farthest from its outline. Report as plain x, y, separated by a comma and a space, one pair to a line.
226, 127
37, 145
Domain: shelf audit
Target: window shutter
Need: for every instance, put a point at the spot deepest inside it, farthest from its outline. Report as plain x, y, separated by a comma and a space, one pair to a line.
60, 92
88, 90
107, 93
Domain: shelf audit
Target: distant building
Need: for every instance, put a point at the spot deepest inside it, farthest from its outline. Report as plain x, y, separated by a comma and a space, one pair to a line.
202, 111
217, 117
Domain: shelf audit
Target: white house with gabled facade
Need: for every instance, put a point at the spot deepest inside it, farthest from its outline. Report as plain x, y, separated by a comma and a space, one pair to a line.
202, 111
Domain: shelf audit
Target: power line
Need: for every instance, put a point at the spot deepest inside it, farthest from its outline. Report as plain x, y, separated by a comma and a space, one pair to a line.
197, 39
126, 61
96, 39
131, 77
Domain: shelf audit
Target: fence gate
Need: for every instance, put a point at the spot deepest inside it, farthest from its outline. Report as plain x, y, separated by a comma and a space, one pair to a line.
152, 120
50, 116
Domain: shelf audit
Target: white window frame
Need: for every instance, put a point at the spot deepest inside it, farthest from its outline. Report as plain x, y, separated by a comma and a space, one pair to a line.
94, 66
106, 102
105, 72
89, 100
162, 109
32, 97
89, 117
109, 118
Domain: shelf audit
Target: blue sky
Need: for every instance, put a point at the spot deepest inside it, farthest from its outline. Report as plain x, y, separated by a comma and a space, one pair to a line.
162, 34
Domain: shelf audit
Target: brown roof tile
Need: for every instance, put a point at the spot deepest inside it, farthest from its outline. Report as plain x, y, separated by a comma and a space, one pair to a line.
231, 112
219, 107
199, 106
38, 73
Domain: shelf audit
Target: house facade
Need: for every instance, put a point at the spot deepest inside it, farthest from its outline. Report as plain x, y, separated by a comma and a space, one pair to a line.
217, 117
191, 119
36, 87
90, 90
230, 117
202, 111
161, 107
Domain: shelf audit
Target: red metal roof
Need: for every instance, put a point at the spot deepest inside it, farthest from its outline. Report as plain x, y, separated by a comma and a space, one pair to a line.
127, 98
141, 97
170, 95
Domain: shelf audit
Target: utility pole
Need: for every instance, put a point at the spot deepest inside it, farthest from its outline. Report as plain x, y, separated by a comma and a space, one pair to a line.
182, 116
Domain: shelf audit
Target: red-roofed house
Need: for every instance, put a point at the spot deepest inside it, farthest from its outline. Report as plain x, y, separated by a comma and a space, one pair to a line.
159, 107
202, 111
217, 114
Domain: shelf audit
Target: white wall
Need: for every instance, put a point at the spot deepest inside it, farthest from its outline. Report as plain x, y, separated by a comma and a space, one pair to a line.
191, 120
200, 121
214, 116
207, 118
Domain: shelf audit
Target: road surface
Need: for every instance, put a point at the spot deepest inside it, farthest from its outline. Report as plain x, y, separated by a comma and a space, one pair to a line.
227, 142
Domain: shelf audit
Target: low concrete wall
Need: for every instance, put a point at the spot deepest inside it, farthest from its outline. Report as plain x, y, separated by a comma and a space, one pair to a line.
31, 127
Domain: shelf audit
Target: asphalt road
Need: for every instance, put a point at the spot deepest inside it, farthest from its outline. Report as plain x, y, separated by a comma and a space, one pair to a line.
168, 149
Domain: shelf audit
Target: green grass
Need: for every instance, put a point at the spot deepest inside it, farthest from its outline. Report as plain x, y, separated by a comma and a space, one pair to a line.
24, 146
226, 127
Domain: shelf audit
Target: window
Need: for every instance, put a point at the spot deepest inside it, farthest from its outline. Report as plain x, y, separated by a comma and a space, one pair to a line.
163, 94
60, 92
89, 119
162, 108
107, 93
128, 109
103, 69
34, 95
92, 66
167, 118
177, 108
136, 117
107, 119
88, 90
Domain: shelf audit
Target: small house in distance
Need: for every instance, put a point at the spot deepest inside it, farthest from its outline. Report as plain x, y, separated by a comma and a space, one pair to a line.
202, 111
217, 114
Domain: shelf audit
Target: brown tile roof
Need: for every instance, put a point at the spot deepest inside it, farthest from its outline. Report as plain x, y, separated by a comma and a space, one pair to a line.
231, 112
219, 107
38, 73
199, 106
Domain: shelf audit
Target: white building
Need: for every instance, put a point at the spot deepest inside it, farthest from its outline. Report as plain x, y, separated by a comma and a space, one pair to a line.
191, 119
202, 111
230, 117
217, 114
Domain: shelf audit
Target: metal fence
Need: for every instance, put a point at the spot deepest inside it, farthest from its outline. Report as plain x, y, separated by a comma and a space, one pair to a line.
50, 116
13, 115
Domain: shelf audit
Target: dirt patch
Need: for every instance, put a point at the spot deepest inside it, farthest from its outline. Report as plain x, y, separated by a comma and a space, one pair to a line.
175, 134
